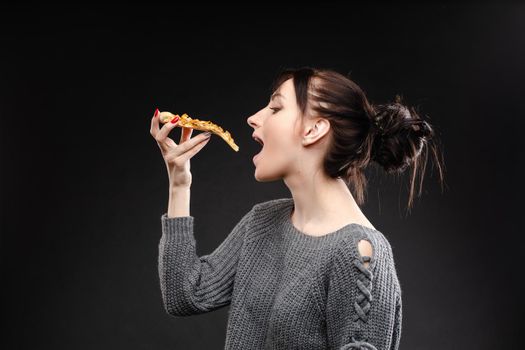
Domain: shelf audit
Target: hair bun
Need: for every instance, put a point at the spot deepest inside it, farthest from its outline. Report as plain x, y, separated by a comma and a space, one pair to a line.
399, 135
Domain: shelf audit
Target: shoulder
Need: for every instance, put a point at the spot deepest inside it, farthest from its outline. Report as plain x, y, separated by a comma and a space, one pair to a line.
362, 242
272, 205
265, 216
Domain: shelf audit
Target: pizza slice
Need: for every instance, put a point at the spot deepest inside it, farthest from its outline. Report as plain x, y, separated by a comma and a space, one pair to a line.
204, 125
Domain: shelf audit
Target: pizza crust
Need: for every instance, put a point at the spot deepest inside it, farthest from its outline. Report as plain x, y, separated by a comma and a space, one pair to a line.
204, 125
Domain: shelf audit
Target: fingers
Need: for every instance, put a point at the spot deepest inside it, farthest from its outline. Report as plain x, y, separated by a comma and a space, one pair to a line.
193, 151
187, 143
154, 128
163, 133
191, 143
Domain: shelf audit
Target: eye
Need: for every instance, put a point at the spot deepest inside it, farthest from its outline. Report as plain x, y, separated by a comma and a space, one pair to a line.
275, 109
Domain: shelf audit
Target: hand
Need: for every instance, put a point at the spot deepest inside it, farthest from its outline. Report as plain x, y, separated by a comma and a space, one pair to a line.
177, 156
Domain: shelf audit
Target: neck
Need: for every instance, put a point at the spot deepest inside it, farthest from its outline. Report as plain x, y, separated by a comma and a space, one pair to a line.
320, 201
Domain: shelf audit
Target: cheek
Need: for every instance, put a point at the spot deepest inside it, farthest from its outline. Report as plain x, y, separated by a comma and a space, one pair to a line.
280, 141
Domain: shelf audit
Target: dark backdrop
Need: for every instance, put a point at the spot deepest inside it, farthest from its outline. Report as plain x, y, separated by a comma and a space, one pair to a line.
83, 184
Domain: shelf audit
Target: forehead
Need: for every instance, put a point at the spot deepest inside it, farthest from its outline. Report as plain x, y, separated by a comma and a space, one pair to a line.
286, 89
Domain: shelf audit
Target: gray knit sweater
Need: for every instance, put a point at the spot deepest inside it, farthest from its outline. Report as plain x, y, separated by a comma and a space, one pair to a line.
286, 289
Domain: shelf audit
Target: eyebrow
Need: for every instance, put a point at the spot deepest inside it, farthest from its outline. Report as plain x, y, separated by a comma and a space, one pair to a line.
276, 95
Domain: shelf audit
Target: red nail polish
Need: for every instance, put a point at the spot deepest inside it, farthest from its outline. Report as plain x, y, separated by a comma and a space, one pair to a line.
174, 120
156, 112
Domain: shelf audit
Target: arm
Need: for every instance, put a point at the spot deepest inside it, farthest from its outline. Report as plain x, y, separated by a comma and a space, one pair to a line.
179, 201
396, 337
191, 284
354, 320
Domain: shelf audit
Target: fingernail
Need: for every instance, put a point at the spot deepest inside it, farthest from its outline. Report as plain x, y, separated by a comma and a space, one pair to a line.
207, 134
156, 112
174, 120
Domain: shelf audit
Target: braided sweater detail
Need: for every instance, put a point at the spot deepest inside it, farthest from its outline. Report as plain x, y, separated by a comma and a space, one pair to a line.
285, 289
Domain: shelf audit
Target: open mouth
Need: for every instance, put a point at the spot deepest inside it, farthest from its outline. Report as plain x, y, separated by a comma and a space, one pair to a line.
260, 141
257, 139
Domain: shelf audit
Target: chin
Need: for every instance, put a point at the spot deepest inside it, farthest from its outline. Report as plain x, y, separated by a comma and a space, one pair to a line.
266, 177
259, 178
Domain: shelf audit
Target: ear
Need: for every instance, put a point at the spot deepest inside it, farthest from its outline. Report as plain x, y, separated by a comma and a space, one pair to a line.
315, 131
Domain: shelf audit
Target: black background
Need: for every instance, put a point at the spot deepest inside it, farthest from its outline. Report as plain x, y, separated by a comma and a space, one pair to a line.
83, 184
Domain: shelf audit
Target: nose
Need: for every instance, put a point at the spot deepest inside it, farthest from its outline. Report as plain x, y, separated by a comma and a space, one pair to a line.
251, 121
256, 120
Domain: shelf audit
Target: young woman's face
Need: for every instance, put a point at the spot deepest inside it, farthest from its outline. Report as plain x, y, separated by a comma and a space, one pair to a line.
278, 125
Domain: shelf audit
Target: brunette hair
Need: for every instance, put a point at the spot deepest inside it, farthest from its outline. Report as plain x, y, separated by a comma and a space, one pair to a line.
392, 135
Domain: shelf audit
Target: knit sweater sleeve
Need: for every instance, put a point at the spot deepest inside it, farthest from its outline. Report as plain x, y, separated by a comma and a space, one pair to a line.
191, 284
396, 336
353, 288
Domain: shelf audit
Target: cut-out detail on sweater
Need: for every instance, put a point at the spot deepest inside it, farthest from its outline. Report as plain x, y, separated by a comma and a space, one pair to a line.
365, 249
359, 345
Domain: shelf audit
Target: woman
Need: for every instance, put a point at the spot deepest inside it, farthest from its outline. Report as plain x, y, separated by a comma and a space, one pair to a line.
310, 271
